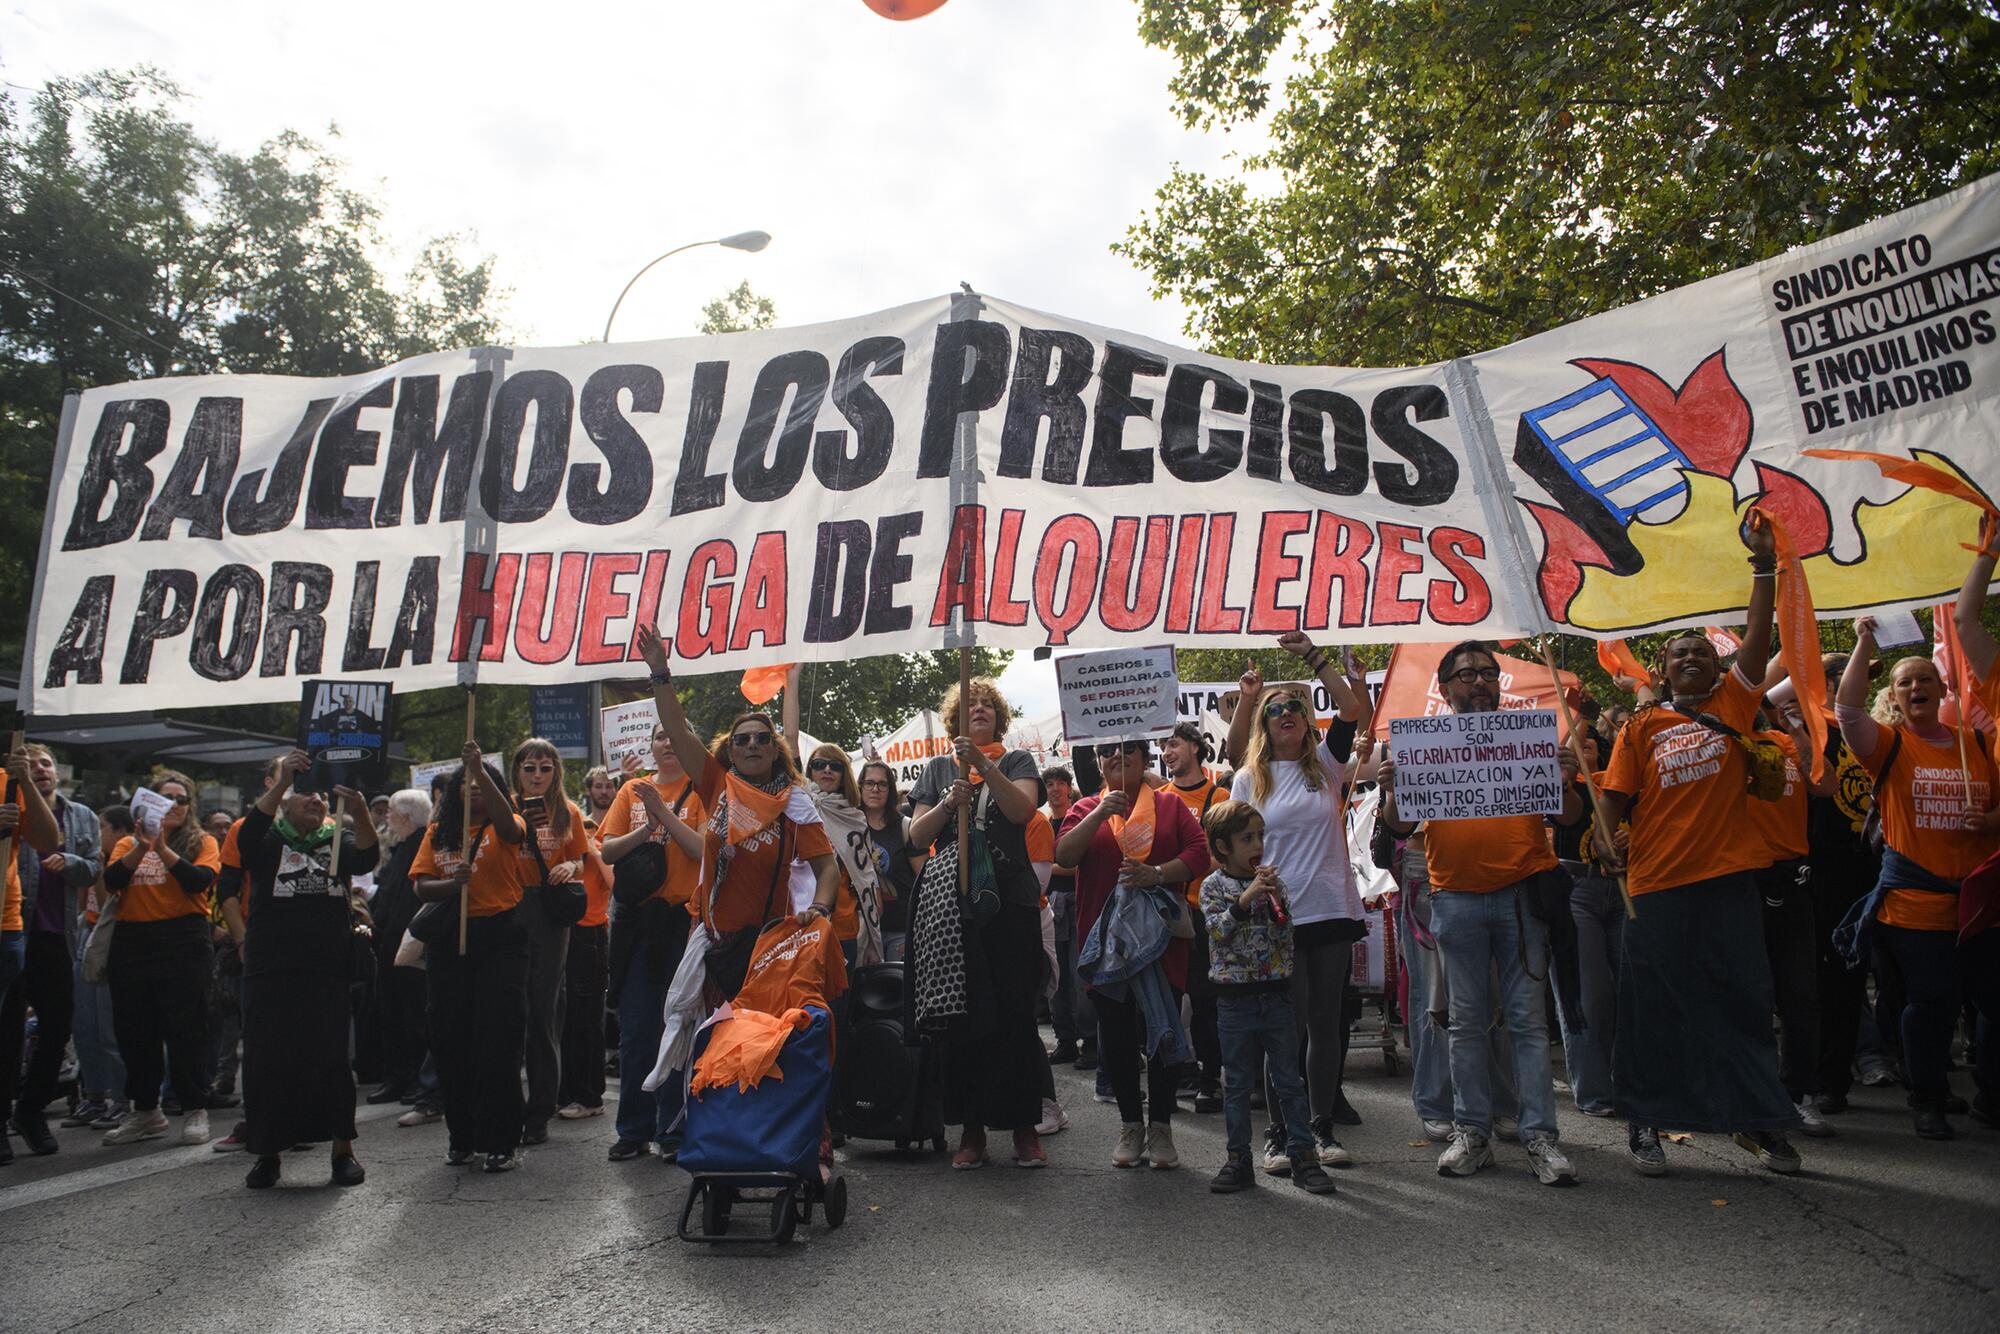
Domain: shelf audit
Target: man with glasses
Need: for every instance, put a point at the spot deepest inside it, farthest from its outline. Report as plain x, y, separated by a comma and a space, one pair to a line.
1486, 927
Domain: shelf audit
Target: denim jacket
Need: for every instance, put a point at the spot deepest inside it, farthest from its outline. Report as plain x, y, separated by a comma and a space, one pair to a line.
82, 863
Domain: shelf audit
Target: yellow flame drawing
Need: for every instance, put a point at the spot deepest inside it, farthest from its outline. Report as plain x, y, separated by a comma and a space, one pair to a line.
1694, 565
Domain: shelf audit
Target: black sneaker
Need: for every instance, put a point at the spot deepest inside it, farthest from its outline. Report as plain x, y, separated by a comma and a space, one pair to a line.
1064, 1053
503, 1162
33, 1128
1236, 1174
222, 1101
1310, 1177
1209, 1099
1643, 1143
1832, 1104
1343, 1113
346, 1171
1086, 1056
1771, 1147
458, 1157
535, 1134
1930, 1122
263, 1173
625, 1150
387, 1093
669, 1153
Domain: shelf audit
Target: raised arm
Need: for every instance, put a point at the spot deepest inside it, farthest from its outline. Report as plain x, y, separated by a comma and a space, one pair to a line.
1249, 694
1861, 732
498, 803
1980, 648
788, 709
1326, 670
694, 756
1755, 655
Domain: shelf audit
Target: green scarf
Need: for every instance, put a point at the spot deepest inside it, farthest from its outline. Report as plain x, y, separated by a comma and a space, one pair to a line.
306, 843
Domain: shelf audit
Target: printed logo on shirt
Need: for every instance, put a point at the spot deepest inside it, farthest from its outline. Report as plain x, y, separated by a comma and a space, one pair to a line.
1688, 753
1938, 796
300, 875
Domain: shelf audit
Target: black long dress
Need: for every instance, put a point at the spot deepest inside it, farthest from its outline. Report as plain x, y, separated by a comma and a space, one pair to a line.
298, 1083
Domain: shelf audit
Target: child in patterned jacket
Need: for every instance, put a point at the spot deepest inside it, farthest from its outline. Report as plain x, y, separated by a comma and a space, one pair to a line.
1250, 964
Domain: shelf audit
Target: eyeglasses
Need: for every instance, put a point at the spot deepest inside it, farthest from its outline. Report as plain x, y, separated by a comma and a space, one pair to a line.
1465, 676
745, 740
882, 783
1278, 708
821, 766
543, 768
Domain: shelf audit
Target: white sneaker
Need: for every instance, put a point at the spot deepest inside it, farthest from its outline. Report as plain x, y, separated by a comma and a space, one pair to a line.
1438, 1132
1814, 1124
1054, 1119
1506, 1127
1552, 1167
138, 1125
1160, 1150
1275, 1161
1131, 1145
194, 1127
1467, 1153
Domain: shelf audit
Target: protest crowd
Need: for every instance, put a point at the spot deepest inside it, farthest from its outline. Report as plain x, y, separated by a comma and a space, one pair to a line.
1809, 864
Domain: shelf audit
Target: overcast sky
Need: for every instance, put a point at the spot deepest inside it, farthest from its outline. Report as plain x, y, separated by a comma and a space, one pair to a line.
1005, 143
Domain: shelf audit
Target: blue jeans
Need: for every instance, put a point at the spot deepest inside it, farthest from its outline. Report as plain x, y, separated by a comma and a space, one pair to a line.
1479, 935
1600, 939
1430, 1062
100, 1072
644, 1117
1258, 1039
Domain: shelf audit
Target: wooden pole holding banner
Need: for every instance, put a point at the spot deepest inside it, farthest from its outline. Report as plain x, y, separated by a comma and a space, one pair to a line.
465, 849
965, 305
1583, 767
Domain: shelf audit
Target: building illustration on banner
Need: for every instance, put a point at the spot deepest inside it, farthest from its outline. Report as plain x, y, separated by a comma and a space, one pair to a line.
1648, 505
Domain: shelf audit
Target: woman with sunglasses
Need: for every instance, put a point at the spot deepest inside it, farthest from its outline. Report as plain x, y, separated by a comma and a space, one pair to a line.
647, 941
1294, 781
479, 999
897, 859
993, 1061
764, 849
1132, 835
560, 849
298, 1087
857, 925
160, 962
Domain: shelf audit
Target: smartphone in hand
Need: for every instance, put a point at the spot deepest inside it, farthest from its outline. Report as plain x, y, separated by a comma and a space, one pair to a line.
535, 810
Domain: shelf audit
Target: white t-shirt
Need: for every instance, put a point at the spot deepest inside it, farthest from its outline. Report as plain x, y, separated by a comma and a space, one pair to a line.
1305, 837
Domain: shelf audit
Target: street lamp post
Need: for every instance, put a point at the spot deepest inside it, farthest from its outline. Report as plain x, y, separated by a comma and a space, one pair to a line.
751, 241
740, 241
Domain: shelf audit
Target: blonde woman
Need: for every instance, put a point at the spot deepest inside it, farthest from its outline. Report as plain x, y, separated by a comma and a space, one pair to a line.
1293, 779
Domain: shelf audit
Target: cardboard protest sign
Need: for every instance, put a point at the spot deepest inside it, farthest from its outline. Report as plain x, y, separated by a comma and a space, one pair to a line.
785, 495
1473, 766
627, 729
344, 727
1118, 694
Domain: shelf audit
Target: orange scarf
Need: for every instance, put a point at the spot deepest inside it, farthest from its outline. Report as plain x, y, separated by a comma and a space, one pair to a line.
992, 751
1798, 630
1135, 832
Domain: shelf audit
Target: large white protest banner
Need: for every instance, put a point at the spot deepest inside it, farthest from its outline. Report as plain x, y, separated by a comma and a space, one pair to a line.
1473, 766
785, 495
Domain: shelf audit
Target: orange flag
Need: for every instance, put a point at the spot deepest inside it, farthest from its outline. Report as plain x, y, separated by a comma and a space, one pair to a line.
1915, 473
1617, 659
1724, 641
1798, 631
1955, 671
761, 683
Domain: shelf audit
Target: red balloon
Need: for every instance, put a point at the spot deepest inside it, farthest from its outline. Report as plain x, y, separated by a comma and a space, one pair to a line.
903, 9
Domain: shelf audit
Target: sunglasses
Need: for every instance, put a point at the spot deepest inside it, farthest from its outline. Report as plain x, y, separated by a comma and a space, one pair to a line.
1465, 676
180, 800
745, 740
541, 768
1278, 708
1126, 748
822, 766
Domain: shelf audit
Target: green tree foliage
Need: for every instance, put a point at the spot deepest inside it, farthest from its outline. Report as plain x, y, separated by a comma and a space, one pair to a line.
1443, 177
131, 247
737, 310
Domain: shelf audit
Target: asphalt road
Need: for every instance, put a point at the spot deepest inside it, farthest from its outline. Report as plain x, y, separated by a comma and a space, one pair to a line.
1880, 1232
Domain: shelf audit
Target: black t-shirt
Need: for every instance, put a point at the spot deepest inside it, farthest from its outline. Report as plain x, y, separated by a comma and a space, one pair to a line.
1572, 839
298, 918
1843, 865
1005, 841
892, 868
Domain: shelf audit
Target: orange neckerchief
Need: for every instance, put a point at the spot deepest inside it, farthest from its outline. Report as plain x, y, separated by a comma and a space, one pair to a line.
992, 751
1135, 832
751, 809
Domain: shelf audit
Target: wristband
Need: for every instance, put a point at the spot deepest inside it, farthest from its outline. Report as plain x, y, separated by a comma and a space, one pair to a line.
663, 678
818, 909
1764, 564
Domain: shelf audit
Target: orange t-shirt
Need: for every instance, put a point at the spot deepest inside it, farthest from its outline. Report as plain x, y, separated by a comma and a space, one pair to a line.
1482, 856
1198, 799
1688, 822
596, 880
1921, 797
1782, 823
568, 849
1039, 837
496, 870
628, 813
744, 882
154, 895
